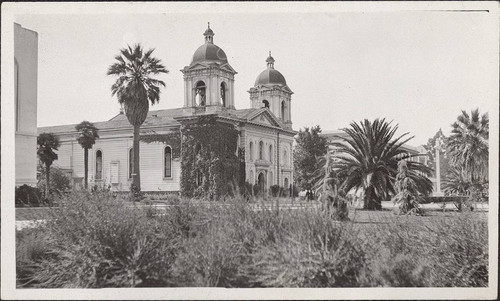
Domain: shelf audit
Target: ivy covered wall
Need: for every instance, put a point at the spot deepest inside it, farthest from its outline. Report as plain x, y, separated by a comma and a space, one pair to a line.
171, 139
210, 166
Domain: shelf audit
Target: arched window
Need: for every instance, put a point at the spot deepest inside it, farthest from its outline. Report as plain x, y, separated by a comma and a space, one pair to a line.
283, 110
130, 162
285, 183
265, 103
98, 165
261, 150
223, 94
167, 155
250, 151
285, 157
200, 94
271, 153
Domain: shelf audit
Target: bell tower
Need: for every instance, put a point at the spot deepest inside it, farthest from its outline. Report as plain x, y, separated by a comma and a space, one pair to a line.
271, 91
209, 79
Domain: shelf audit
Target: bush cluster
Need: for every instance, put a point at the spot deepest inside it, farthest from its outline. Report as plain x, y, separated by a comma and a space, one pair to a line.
99, 241
27, 196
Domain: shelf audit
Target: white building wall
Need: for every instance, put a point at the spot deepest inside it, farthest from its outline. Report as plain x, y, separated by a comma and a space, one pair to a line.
269, 137
26, 78
71, 156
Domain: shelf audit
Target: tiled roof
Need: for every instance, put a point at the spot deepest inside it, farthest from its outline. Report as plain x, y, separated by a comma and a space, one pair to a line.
243, 113
158, 117
154, 118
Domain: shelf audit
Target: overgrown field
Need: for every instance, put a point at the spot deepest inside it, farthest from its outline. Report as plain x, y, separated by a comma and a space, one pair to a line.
96, 241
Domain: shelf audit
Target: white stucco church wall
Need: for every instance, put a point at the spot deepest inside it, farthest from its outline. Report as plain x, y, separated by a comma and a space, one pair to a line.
25, 87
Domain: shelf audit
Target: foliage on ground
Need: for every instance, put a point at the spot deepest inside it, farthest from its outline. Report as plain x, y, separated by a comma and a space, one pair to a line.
96, 240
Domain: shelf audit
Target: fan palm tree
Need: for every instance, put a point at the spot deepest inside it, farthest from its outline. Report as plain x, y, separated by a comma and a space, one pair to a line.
47, 144
468, 144
457, 182
86, 138
135, 87
367, 159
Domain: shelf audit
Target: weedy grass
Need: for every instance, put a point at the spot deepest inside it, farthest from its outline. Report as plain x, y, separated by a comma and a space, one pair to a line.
95, 240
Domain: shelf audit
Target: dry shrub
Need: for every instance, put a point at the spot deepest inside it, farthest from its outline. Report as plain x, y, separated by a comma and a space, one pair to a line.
95, 240
445, 252
310, 250
99, 242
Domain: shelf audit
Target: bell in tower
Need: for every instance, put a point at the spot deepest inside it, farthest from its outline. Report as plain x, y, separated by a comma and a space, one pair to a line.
209, 79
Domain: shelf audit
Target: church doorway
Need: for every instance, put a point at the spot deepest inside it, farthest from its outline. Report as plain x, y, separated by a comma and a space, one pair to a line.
261, 180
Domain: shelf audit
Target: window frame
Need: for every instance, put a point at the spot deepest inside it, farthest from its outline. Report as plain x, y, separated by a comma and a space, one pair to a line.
130, 157
261, 150
250, 150
101, 163
165, 162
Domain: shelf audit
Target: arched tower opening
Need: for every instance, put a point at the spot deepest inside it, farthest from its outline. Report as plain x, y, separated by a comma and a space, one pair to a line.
223, 94
265, 104
283, 111
200, 93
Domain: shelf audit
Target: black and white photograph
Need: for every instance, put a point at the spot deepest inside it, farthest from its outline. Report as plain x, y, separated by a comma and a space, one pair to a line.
249, 150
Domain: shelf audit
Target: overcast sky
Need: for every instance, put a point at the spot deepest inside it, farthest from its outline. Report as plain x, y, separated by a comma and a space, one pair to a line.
417, 68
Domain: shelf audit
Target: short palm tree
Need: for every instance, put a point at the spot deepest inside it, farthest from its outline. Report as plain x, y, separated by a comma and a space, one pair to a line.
87, 134
456, 182
47, 144
367, 159
135, 87
468, 145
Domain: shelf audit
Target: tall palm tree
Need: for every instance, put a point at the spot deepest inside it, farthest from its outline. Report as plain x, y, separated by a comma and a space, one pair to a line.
367, 160
86, 138
468, 144
135, 88
47, 144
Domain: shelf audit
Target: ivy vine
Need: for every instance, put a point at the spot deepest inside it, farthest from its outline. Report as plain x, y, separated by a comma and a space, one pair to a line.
171, 139
210, 166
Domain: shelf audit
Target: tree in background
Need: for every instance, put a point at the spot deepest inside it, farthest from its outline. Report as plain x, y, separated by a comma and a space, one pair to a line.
47, 144
468, 145
135, 87
368, 157
87, 134
310, 147
60, 182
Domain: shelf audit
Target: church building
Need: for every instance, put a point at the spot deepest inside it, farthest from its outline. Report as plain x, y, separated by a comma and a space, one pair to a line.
264, 131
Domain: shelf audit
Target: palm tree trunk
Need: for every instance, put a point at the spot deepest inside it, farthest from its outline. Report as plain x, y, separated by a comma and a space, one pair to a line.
136, 177
47, 179
371, 203
86, 163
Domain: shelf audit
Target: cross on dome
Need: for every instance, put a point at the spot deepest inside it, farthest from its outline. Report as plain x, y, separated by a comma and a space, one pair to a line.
270, 61
209, 35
